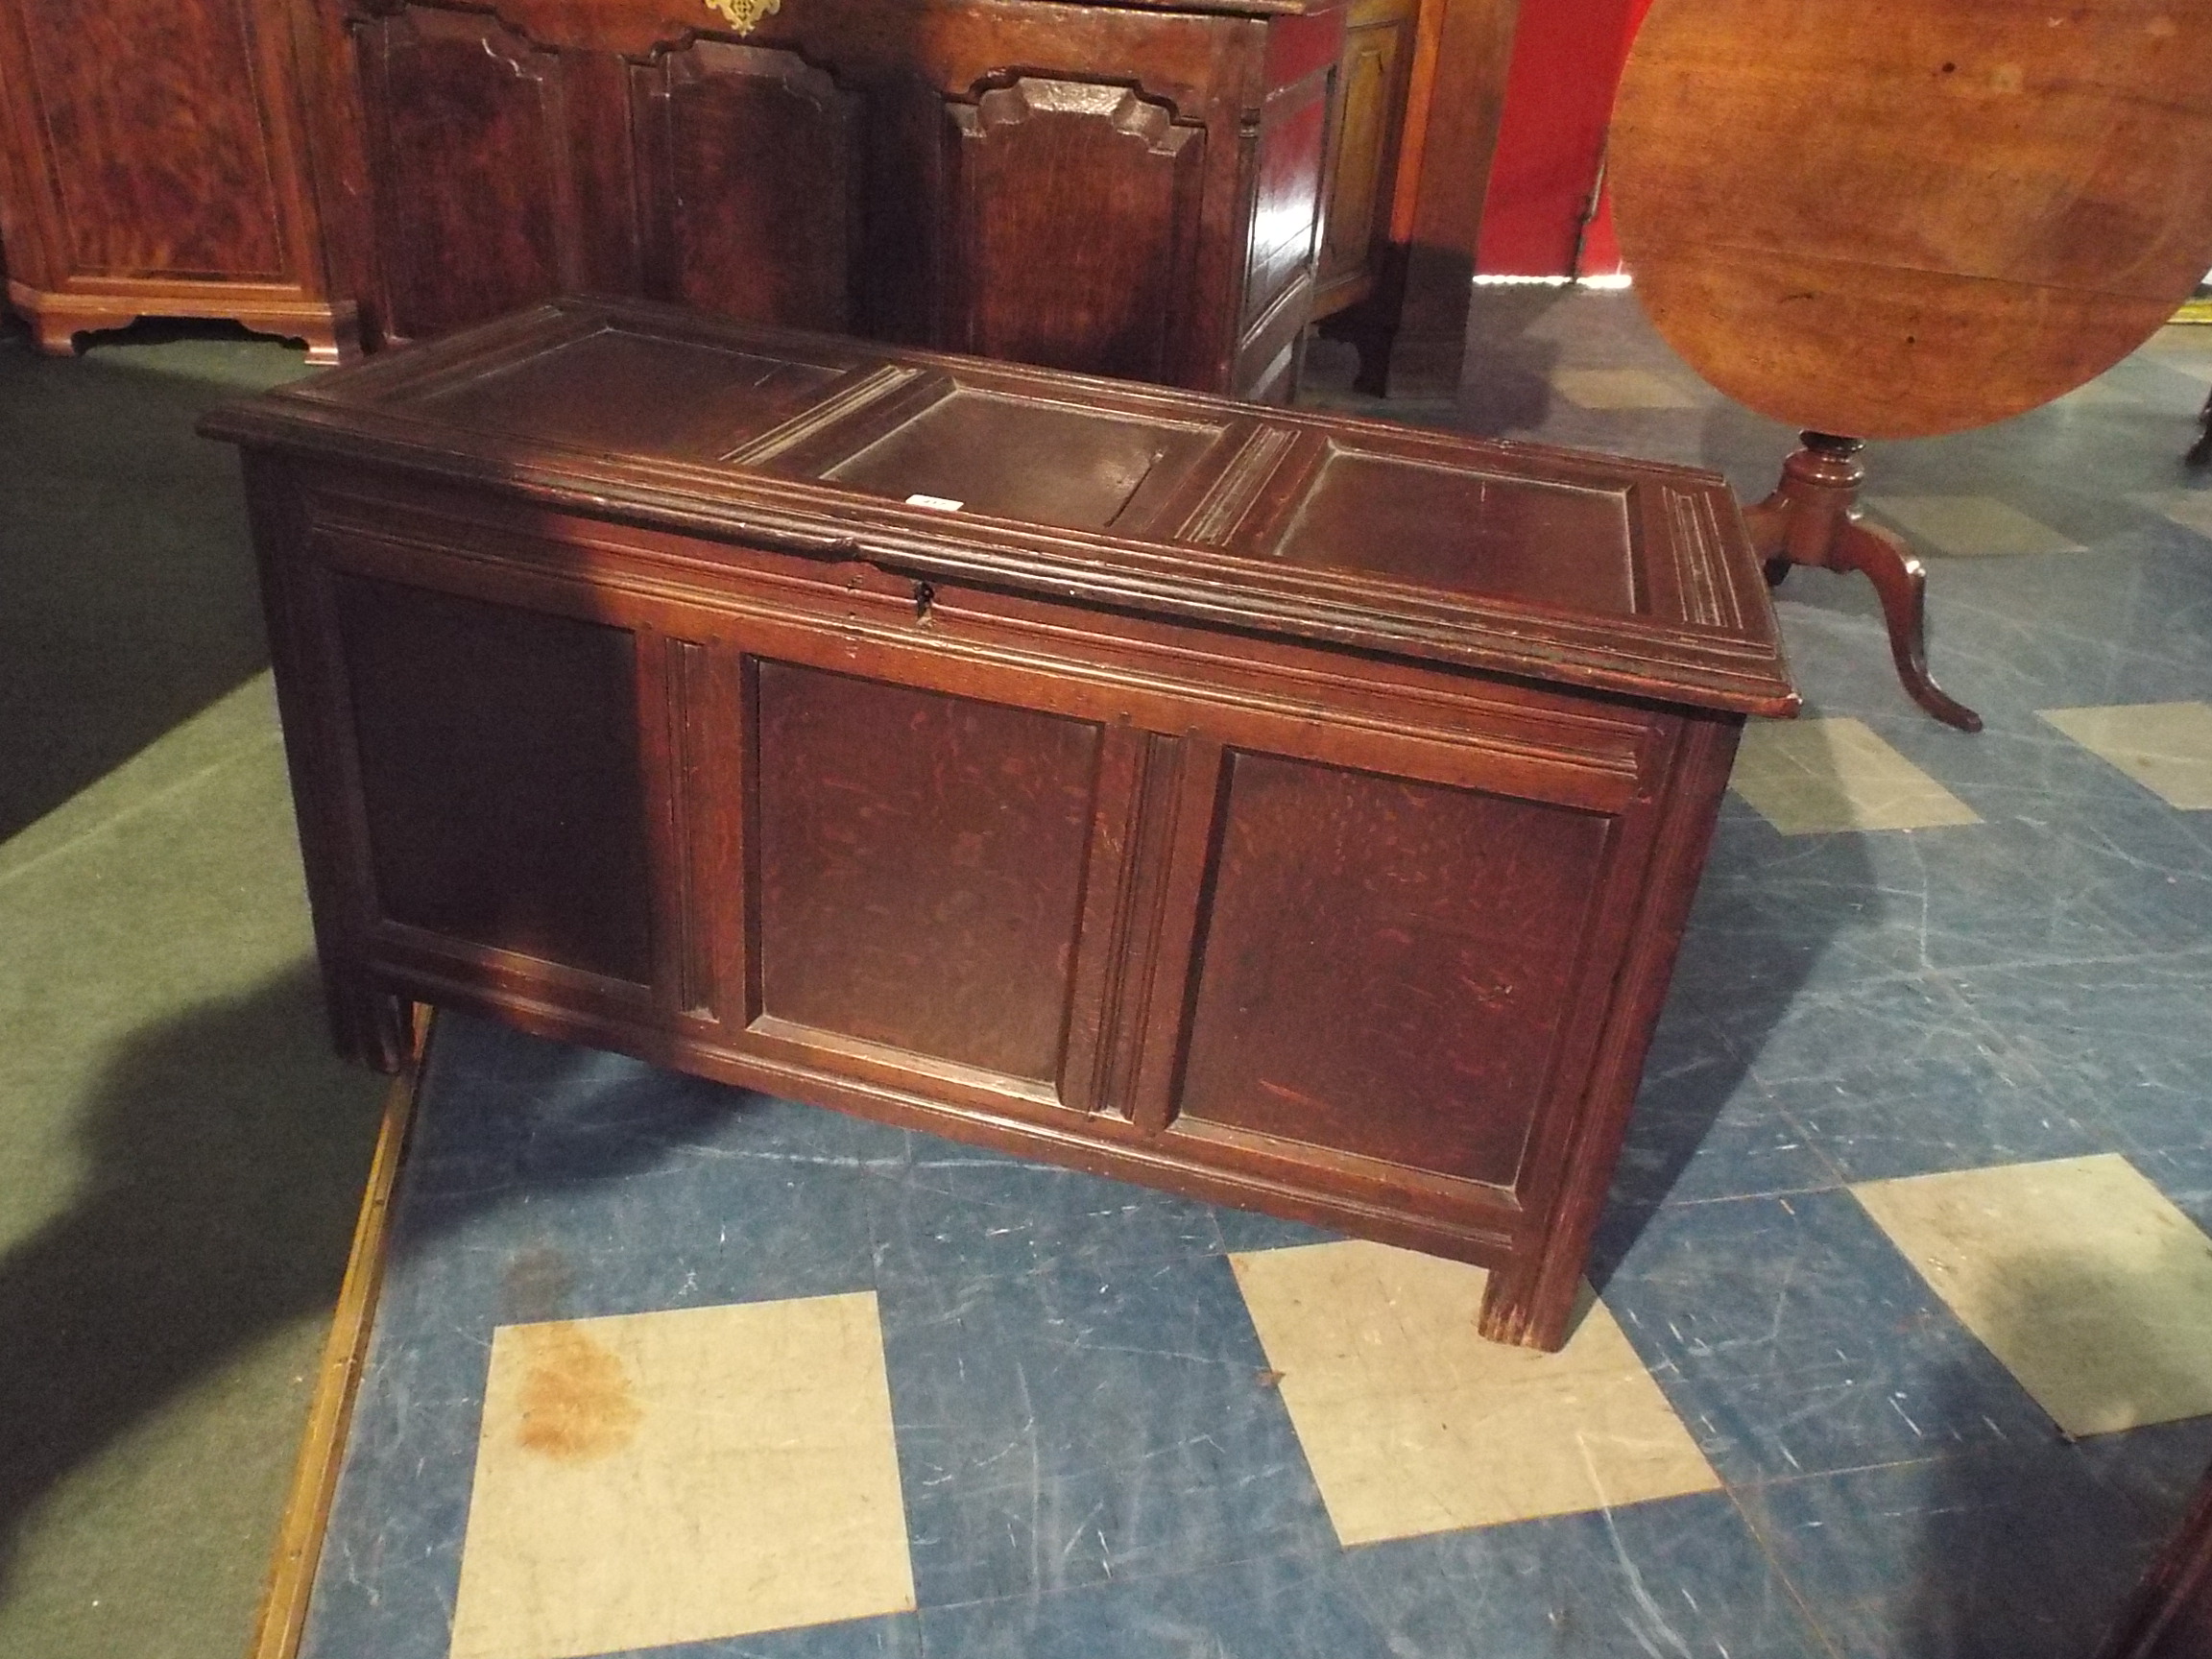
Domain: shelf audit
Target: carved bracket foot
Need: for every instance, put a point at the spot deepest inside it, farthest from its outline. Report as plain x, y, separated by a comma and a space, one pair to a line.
330, 329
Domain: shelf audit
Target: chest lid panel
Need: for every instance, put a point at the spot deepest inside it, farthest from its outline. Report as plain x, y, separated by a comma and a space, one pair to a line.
1570, 569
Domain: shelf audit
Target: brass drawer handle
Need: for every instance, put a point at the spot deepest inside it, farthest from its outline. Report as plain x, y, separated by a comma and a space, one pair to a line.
744, 14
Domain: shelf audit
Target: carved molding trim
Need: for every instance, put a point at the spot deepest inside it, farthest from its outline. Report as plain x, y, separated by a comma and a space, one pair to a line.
1126, 108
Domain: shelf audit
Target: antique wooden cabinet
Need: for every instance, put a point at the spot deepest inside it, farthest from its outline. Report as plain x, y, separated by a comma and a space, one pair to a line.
152, 164
1299, 812
1366, 123
1123, 189
1410, 323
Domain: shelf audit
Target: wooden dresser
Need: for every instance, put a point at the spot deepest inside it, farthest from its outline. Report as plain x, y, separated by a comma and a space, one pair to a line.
152, 163
1295, 811
1124, 189
1161, 189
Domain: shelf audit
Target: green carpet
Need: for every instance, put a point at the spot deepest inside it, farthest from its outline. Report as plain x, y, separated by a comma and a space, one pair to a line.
180, 1157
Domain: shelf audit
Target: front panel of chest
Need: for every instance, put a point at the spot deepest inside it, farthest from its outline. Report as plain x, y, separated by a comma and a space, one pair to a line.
1228, 901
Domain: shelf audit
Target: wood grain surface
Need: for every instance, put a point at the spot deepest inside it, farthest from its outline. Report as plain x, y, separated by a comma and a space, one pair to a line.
1133, 191
1899, 218
1141, 814
152, 163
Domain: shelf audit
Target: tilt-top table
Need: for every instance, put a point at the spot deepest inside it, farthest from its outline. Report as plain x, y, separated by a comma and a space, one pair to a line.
1902, 218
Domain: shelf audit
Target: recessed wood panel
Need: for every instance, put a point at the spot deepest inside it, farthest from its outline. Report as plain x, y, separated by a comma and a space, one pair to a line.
1467, 531
499, 772
918, 867
468, 162
1023, 457
1076, 207
1288, 209
1366, 119
1386, 964
750, 163
637, 396
155, 175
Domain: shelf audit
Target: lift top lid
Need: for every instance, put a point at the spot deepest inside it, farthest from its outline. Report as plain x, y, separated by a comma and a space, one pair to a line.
1584, 569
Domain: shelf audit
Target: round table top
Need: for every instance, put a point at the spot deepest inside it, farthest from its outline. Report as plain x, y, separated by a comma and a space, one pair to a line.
1899, 218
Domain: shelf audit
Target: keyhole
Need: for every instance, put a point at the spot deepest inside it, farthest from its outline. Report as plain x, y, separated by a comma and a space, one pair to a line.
925, 596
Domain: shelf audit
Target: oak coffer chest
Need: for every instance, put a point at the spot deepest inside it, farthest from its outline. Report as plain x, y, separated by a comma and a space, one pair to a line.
1295, 811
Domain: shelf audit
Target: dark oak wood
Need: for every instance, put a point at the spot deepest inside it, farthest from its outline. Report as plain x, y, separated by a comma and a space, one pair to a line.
509, 732
1999, 202
152, 164
958, 828
1294, 811
1124, 189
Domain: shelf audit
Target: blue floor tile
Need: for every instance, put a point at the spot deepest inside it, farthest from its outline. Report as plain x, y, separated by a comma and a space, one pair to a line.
2005, 1554
956, 1212
1703, 1128
1057, 1429
1275, 1607
1792, 1337
1680, 1576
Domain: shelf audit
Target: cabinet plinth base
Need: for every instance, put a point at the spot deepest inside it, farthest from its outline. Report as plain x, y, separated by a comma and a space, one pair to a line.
330, 329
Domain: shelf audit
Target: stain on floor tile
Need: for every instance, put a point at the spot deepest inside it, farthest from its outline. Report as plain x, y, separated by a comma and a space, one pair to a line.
2166, 747
1413, 1424
1817, 777
2078, 1274
1969, 526
684, 1475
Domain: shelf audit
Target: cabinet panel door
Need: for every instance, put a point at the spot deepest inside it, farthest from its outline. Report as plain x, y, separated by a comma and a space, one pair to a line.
1386, 965
156, 157
748, 162
1287, 215
1370, 89
1074, 209
469, 165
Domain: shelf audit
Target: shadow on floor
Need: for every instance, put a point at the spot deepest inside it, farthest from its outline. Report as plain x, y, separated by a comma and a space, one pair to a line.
224, 1155
132, 596
2023, 1551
